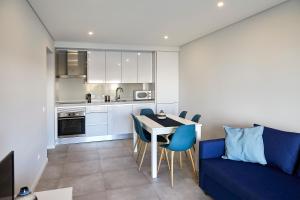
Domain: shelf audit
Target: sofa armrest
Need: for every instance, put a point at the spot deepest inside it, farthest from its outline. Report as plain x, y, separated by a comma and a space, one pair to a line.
211, 148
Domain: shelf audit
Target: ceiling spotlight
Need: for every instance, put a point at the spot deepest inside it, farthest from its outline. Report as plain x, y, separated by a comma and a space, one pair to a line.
220, 4
91, 33
166, 37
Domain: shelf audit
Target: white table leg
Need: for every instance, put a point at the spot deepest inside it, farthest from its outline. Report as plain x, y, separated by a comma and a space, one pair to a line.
198, 138
134, 137
154, 155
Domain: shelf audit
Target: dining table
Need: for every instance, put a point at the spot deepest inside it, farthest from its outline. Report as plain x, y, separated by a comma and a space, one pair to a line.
165, 127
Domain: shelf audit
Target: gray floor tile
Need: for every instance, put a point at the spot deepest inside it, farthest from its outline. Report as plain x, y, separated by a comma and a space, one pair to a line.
84, 185
145, 192
111, 144
79, 156
52, 172
118, 163
124, 178
82, 147
62, 148
81, 168
57, 158
92, 196
115, 152
47, 185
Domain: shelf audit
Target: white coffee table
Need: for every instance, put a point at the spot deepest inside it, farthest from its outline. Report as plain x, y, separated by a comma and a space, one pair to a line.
59, 194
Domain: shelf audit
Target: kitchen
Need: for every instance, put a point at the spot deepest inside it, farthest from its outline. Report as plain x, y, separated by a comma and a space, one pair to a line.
97, 89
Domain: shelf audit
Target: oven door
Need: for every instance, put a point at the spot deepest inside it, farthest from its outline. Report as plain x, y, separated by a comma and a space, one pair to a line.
71, 126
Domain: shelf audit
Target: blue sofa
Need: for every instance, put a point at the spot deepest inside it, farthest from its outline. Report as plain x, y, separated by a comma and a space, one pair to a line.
227, 179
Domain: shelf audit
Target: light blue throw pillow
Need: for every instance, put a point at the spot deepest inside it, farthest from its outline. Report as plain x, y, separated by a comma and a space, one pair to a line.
245, 144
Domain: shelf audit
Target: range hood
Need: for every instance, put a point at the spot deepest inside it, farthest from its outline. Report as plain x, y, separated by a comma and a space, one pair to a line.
71, 64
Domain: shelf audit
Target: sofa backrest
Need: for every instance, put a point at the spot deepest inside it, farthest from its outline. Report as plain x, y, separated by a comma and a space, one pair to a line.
281, 149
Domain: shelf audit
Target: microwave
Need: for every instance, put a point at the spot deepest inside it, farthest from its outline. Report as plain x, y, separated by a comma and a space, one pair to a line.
142, 95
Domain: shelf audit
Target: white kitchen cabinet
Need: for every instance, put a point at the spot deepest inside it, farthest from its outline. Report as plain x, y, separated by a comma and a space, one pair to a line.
113, 67
129, 67
168, 108
137, 107
167, 77
145, 67
96, 67
119, 119
96, 120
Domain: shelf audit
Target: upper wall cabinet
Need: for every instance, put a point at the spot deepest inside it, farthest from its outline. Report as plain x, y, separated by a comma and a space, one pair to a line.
167, 77
129, 67
96, 67
113, 67
145, 67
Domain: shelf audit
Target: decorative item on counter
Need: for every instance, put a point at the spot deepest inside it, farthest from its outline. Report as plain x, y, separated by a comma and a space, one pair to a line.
161, 115
89, 97
107, 98
26, 194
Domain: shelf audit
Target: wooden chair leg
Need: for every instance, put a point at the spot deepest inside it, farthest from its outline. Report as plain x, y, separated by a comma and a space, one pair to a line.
167, 157
143, 156
192, 160
136, 144
180, 160
160, 159
140, 146
172, 169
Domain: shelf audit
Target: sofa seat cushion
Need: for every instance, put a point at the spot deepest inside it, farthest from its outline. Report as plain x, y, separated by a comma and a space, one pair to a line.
250, 180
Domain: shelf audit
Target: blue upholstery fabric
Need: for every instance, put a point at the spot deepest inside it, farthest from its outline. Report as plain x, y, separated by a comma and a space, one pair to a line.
183, 114
183, 138
240, 180
146, 111
245, 144
211, 148
196, 118
281, 148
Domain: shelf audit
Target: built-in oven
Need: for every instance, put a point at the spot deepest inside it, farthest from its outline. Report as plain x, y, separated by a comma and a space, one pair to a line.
71, 123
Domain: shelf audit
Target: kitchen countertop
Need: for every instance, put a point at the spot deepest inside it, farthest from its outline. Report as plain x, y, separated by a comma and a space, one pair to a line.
64, 105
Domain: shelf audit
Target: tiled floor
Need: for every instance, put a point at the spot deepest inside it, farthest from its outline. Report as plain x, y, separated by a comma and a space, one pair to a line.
108, 170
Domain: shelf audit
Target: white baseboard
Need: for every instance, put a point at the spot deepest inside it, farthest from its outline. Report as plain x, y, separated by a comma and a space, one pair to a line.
38, 177
51, 147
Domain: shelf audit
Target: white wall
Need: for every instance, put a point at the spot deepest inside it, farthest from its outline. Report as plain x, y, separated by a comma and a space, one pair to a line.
248, 72
23, 62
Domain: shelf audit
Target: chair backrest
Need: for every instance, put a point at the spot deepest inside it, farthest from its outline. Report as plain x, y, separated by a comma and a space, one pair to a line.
183, 138
183, 114
146, 111
139, 129
196, 118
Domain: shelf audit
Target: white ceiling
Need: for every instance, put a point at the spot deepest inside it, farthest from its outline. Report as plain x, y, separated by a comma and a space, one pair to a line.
142, 22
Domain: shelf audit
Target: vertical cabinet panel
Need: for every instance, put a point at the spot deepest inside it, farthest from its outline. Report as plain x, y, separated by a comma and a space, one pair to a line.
119, 119
145, 67
129, 67
96, 67
113, 67
167, 77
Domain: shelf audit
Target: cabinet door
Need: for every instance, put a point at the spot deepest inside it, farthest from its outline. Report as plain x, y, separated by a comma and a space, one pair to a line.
168, 108
145, 67
137, 107
129, 67
167, 77
96, 67
96, 124
119, 119
113, 67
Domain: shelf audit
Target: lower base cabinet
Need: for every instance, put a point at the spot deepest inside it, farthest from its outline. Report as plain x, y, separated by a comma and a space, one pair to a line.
119, 119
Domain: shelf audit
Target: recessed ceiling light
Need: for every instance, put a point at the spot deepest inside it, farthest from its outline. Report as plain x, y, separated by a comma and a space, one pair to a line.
91, 33
166, 37
139, 53
220, 4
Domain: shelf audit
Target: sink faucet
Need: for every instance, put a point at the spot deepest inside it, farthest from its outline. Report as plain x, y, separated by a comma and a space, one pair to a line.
118, 97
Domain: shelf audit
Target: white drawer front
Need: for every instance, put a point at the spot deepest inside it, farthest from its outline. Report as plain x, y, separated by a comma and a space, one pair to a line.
91, 109
96, 118
96, 130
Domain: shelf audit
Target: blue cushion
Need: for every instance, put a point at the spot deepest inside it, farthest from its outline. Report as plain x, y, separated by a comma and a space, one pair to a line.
245, 144
281, 148
250, 180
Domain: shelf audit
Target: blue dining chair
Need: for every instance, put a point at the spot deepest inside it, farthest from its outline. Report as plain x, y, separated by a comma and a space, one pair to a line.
196, 118
183, 114
146, 111
144, 137
182, 140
